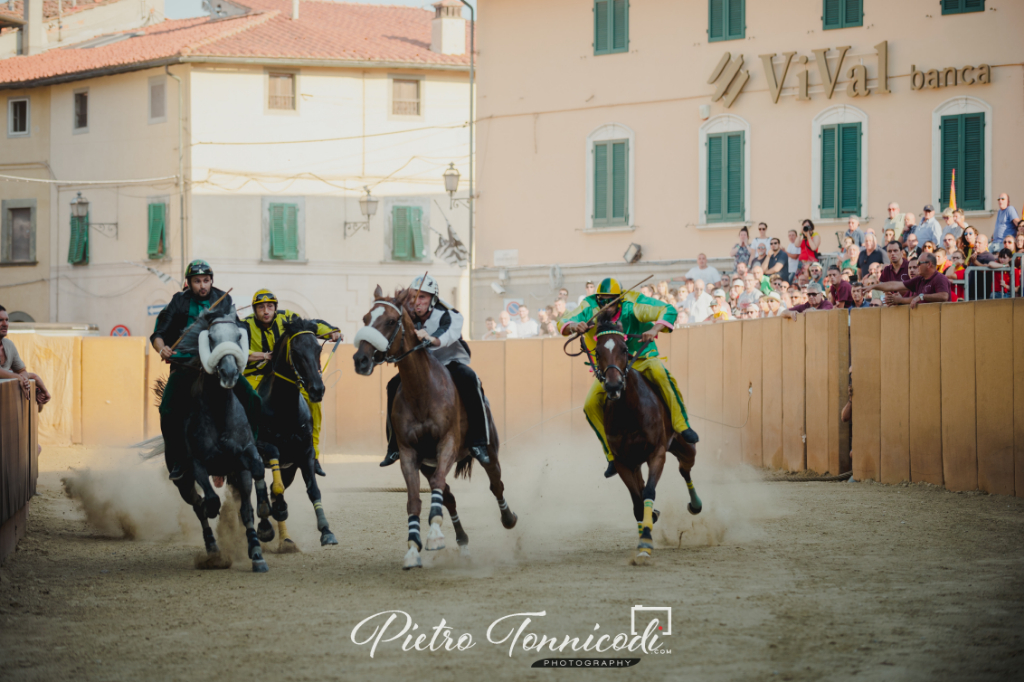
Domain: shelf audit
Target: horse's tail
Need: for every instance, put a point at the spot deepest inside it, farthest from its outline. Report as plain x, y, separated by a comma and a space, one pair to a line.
464, 468
158, 389
154, 447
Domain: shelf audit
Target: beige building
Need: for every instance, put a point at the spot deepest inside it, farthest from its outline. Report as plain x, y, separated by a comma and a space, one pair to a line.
282, 122
33, 26
672, 123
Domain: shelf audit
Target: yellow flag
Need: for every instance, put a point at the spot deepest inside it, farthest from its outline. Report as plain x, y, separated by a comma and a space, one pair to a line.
952, 191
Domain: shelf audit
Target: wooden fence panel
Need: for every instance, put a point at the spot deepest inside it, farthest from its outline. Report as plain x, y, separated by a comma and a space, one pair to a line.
794, 391
1018, 396
993, 344
771, 393
926, 388
818, 401
753, 454
959, 419
895, 397
865, 349
556, 396
734, 393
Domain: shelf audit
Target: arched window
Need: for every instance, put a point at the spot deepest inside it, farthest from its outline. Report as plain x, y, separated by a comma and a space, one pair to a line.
839, 163
962, 141
610, 177
724, 170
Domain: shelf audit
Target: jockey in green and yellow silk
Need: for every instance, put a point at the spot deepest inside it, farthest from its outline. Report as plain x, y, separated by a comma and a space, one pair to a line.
266, 327
642, 317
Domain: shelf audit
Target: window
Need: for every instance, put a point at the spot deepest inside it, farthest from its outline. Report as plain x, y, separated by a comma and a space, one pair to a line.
727, 20
157, 242
725, 177
962, 6
405, 97
407, 233
281, 91
18, 243
78, 245
82, 111
963, 150
611, 183
17, 117
840, 170
842, 14
611, 26
284, 231
157, 99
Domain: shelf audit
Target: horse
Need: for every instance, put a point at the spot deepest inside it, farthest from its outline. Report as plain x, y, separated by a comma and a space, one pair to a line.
218, 439
286, 426
639, 430
429, 422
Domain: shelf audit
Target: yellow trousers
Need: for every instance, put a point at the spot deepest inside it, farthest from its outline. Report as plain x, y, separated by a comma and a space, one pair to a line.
655, 371
314, 409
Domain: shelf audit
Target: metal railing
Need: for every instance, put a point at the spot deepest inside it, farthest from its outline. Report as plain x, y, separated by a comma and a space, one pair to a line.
970, 282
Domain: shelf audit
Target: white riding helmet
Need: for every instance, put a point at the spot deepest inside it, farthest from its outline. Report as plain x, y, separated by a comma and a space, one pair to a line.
427, 285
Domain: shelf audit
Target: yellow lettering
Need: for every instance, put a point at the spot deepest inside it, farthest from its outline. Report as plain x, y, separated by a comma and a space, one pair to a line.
964, 77
801, 88
932, 78
827, 79
882, 49
914, 73
858, 86
946, 73
775, 86
986, 73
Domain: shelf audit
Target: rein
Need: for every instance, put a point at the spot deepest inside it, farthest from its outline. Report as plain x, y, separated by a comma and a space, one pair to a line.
592, 360
399, 329
288, 359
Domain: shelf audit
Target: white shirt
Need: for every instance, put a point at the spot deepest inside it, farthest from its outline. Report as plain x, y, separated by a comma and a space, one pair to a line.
700, 310
710, 275
793, 249
510, 331
767, 245
526, 330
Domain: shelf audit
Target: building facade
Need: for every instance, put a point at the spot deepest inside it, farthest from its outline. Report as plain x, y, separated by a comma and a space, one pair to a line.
671, 124
277, 147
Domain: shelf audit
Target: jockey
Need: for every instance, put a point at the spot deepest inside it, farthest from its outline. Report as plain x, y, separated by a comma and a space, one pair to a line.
184, 308
266, 326
642, 318
436, 321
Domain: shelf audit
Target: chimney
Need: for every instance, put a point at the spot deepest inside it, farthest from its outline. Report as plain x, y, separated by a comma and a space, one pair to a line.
448, 34
33, 33
295, 10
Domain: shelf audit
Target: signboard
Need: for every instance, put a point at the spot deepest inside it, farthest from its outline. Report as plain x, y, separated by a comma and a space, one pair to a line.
152, 310
512, 306
120, 330
506, 258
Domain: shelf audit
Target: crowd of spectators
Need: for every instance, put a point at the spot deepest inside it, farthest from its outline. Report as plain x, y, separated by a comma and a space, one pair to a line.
909, 261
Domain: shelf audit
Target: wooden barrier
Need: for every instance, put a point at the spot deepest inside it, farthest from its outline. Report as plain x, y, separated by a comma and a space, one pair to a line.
959, 416
1018, 396
993, 345
19, 463
925, 430
894, 399
865, 363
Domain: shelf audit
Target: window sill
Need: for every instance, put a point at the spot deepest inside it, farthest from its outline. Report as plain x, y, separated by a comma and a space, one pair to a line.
840, 221
283, 261
425, 261
611, 228
724, 226
979, 214
17, 263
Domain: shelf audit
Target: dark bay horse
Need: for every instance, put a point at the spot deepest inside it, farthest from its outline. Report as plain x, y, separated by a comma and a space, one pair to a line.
286, 427
639, 430
218, 437
428, 419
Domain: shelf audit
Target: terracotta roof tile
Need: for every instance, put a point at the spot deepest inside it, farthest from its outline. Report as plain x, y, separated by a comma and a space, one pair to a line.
50, 8
324, 31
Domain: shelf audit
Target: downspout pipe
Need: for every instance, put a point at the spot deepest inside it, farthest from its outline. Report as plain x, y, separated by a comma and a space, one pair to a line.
472, 100
181, 172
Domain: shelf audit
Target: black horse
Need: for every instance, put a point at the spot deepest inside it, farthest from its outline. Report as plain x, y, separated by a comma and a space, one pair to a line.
219, 440
286, 429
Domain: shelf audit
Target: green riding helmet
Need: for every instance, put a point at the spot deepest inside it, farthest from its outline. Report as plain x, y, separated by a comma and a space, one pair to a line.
198, 267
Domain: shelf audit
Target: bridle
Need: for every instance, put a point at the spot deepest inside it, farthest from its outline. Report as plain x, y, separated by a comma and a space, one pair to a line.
288, 360
603, 376
399, 329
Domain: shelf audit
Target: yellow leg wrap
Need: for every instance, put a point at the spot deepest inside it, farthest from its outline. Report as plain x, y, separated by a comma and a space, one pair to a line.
648, 515
277, 487
282, 530
316, 410
654, 370
689, 484
640, 528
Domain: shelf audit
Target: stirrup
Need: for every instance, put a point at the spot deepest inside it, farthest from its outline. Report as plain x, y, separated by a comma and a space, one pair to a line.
610, 471
389, 459
479, 452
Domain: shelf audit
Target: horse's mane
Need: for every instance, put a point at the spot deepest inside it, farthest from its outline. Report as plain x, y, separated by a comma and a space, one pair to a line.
189, 344
606, 323
298, 324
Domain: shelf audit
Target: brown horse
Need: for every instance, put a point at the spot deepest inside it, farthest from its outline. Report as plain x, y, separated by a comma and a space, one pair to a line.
428, 420
639, 430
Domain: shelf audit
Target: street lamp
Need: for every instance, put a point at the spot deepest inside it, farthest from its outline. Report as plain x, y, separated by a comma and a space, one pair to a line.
368, 207
79, 206
451, 185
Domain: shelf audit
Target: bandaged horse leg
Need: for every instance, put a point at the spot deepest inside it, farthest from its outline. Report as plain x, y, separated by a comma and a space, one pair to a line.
278, 508
193, 498
446, 455
244, 487
211, 502
286, 543
493, 469
686, 453
313, 492
411, 473
460, 535
645, 547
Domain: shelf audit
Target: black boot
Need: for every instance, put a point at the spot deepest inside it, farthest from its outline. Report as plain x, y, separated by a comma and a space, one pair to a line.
176, 472
690, 436
317, 469
390, 458
480, 453
610, 471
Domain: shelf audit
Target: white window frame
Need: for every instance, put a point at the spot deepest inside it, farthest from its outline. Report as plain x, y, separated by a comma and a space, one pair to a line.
156, 80
952, 107
840, 113
723, 123
392, 77
74, 115
10, 116
606, 133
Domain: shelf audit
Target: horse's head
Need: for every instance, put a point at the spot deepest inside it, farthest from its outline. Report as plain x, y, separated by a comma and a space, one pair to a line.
302, 352
611, 356
223, 347
383, 331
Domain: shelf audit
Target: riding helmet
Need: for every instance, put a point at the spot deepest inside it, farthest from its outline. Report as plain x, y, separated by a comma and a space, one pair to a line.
426, 284
609, 287
198, 267
263, 296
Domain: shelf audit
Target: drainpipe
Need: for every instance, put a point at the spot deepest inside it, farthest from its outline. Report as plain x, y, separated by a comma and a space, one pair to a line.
181, 172
472, 201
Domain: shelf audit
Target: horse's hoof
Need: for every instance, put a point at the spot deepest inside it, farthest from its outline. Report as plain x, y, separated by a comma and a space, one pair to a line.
693, 510
509, 520
435, 538
464, 551
211, 506
279, 510
265, 531
212, 548
263, 509
641, 558
412, 559
327, 538
655, 516
259, 566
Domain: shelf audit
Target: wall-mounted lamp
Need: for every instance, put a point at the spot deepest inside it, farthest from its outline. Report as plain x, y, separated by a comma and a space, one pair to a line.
451, 185
80, 209
633, 253
368, 207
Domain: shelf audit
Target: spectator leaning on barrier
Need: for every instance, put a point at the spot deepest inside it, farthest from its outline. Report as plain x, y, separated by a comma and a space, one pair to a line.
700, 309
894, 222
857, 291
703, 271
898, 269
525, 327
720, 307
492, 332
840, 292
929, 230
1005, 219
1001, 281
13, 367
775, 306
506, 327
815, 301
930, 286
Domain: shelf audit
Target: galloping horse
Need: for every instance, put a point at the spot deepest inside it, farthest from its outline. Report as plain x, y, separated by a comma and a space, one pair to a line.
639, 430
218, 437
286, 428
428, 419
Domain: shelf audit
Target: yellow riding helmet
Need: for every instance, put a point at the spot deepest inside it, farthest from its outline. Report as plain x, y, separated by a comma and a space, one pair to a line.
263, 296
609, 287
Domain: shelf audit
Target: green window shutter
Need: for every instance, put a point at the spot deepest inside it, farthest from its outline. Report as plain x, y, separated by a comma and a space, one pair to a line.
156, 230
716, 20
600, 183
601, 24
973, 6
725, 177
962, 6
291, 232
736, 24
620, 25
972, 148
78, 246
853, 13
416, 232
401, 234
716, 163
620, 181
842, 13
949, 136
829, 155
849, 169
278, 238
734, 176
611, 26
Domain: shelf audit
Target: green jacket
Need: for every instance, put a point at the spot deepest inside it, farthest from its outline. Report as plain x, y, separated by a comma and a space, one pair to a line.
637, 314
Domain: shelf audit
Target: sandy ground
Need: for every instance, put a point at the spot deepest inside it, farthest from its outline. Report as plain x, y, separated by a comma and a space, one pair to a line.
790, 581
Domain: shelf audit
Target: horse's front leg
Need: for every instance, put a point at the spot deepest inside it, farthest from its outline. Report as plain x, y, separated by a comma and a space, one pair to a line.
687, 454
211, 502
460, 534
254, 464
655, 465
245, 492
411, 473
446, 454
313, 491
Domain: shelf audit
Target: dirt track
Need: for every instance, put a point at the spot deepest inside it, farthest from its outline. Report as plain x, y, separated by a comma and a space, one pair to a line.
791, 581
